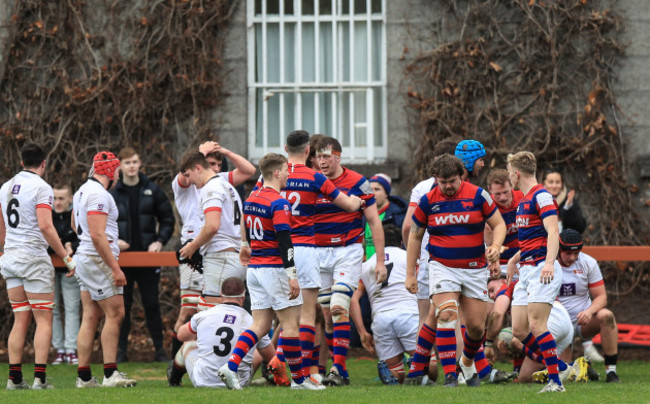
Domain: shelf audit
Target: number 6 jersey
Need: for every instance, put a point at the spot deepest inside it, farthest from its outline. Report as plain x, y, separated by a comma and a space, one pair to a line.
19, 199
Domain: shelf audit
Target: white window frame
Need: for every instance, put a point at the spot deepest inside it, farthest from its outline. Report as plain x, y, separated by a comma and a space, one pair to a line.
337, 87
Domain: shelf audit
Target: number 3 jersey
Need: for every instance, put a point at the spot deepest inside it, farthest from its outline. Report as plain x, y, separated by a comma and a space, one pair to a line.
217, 330
93, 199
19, 199
218, 195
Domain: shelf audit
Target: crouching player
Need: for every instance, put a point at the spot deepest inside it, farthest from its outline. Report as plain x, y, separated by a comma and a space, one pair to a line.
209, 339
271, 277
395, 317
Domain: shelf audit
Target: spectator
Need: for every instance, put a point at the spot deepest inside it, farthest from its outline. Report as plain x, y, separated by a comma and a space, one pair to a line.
146, 222
570, 214
65, 287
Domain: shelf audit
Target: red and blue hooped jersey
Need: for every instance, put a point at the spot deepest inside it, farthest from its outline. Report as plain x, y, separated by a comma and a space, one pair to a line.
335, 226
507, 290
509, 215
456, 224
533, 208
265, 214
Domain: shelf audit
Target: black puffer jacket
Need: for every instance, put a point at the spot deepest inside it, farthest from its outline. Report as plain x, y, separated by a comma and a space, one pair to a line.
153, 204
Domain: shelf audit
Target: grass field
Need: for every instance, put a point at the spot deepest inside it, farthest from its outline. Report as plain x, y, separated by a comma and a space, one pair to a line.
365, 388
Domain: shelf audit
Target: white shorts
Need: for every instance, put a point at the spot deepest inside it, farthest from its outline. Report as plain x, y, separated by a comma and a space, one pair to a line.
530, 289
423, 280
340, 264
199, 380
219, 266
269, 289
307, 266
560, 327
394, 332
95, 277
34, 273
189, 278
469, 282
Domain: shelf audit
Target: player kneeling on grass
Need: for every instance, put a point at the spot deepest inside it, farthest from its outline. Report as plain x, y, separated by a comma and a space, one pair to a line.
209, 339
395, 315
94, 217
271, 276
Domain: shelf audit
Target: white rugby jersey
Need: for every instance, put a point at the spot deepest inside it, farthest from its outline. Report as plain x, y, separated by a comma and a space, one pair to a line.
576, 281
218, 194
186, 200
393, 295
19, 199
93, 199
418, 191
217, 330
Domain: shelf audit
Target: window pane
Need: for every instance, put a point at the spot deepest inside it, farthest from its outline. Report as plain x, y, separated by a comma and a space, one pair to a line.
308, 112
307, 7
360, 117
258, 7
258, 54
259, 133
377, 50
344, 34
272, 6
377, 115
274, 121
344, 102
325, 114
289, 52
359, 6
326, 53
325, 7
288, 7
345, 7
289, 112
273, 52
376, 6
360, 51
308, 56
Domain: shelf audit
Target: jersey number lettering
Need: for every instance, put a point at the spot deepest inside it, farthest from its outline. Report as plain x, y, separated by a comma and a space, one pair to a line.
255, 227
226, 335
12, 213
294, 200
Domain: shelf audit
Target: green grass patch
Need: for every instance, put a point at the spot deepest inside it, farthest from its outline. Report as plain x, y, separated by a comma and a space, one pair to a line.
365, 388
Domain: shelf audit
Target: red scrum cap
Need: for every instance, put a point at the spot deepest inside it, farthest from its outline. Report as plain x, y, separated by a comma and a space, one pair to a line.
105, 163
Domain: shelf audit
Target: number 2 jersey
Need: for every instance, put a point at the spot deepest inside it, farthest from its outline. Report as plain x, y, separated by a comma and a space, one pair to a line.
217, 330
93, 199
19, 199
219, 195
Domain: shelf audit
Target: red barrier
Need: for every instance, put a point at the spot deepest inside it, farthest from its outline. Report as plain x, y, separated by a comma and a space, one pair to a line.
630, 336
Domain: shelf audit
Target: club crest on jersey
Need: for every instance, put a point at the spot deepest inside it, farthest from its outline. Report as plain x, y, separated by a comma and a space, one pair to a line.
435, 208
100, 206
568, 289
15, 189
467, 204
366, 188
451, 219
229, 319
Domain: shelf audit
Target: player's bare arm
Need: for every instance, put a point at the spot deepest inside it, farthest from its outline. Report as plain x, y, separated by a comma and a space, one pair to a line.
350, 203
245, 251
45, 224
244, 169
498, 226
412, 254
598, 302
406, 226
552, 248
97, 230
512, 266
3, 230
372, 216
494, 324
209, 229
355, 313
185, 333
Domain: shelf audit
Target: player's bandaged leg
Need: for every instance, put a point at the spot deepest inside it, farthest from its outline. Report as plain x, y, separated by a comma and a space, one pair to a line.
386, 374
447, 315
190, 299
324, 297
41, 304
203, 305
178, 368
17, 307
426, 340
340, 306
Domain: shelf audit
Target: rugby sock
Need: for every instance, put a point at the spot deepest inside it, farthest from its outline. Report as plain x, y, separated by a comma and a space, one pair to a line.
176, 344
471, 346
245, 342
292, 352
517, 361
341, 346
610, 363
446, 343
483, 368
549, 351
84, 373
531, 347
16, 373
279, 352
109, 369
426, 340
329, 340
307, 339
39, 371
315, 356
322, 370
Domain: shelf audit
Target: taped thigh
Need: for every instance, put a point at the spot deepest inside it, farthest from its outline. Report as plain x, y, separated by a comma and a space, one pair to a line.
341, 295
20, 306
41, 304
324, 297
449, 305
190, 299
